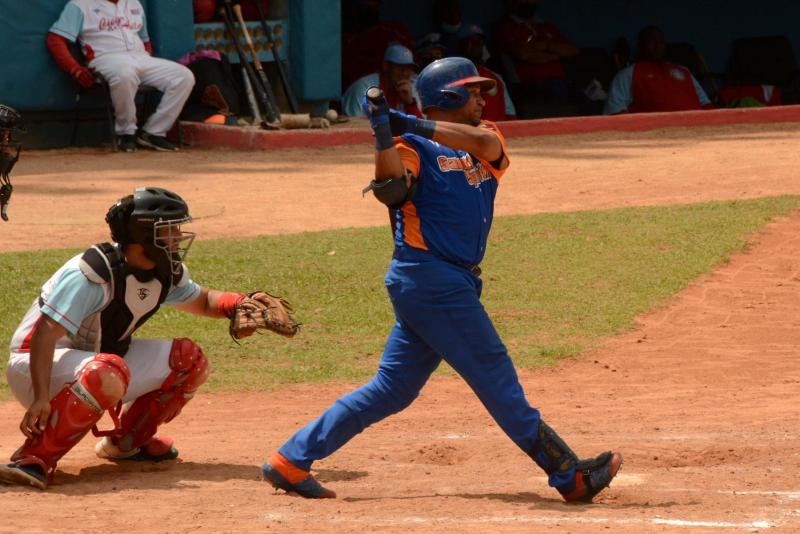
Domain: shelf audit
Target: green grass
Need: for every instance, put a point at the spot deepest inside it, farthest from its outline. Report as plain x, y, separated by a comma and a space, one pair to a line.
555, 284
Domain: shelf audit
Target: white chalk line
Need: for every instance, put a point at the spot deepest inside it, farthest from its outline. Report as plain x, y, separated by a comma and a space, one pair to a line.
534, 520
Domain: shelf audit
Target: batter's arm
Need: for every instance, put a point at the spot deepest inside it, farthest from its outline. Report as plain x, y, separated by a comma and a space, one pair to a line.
479, 142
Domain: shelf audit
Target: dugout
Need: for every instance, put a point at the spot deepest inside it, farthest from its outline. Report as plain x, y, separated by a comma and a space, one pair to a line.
32, 83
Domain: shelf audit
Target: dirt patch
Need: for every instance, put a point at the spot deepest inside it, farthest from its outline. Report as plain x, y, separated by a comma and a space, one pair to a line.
701, 399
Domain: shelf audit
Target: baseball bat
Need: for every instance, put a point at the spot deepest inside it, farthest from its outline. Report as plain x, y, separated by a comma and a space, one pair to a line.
237, 9
272, 118
287, 88
251, 98
375, 95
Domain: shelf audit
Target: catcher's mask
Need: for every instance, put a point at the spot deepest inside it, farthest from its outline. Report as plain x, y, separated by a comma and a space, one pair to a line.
10, 121
152, 217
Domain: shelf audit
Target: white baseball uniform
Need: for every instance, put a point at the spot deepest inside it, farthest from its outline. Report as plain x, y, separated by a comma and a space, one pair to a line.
112, 34
74, 302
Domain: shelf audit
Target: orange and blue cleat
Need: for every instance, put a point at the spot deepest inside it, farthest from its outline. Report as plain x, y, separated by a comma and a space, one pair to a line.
593, 476
282, 474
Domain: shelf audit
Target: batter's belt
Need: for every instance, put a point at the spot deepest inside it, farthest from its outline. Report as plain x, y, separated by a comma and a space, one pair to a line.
415, 254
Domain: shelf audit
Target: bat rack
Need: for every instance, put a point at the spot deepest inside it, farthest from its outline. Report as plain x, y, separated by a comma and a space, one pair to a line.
212, 36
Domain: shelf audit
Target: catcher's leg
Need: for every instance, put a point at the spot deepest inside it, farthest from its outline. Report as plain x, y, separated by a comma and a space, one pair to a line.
74, 411
136, 439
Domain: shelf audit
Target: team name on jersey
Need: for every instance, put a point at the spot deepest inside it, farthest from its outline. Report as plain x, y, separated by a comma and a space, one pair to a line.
474, 172
115, 23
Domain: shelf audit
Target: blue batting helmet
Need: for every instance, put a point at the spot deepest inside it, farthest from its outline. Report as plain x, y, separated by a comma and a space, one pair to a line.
443, 83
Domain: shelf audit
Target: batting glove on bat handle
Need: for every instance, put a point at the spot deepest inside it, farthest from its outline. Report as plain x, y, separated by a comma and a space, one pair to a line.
376, 108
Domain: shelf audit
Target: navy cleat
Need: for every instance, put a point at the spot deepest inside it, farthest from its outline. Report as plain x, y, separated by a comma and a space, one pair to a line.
593, 476
24, 474
282, 474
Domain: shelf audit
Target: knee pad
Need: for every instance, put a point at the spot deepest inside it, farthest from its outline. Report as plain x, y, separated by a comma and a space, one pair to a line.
76, 409
189, 371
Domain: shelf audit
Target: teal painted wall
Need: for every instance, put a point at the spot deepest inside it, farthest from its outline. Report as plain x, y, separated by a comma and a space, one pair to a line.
315, 48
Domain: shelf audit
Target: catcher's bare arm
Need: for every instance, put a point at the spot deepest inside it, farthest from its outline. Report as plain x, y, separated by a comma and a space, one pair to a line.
211, 303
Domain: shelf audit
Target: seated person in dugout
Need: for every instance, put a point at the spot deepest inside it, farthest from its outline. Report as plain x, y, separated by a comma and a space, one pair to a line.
114, 39
396, 79
536, 48
652, 83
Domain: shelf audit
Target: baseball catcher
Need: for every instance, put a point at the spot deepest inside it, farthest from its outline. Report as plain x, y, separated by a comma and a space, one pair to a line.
73, 356
10, 121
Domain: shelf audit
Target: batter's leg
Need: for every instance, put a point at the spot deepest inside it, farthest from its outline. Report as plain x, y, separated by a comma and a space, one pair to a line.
454, 323
172, 79
406, 365
120, 71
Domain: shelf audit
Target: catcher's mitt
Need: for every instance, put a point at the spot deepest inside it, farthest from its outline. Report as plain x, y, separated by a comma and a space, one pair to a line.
260, 310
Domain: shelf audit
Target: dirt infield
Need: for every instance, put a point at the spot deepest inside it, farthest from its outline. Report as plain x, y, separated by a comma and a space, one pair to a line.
701, 398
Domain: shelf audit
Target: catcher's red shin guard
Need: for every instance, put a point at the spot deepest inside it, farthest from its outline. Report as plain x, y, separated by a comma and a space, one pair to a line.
189, 371
74, 411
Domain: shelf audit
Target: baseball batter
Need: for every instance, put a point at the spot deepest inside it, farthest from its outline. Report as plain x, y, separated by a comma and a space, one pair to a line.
441, 176
73, 357
113, 35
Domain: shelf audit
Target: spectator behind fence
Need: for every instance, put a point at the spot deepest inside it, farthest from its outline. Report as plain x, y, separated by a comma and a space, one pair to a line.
652, 83
447, 14
429, 49
535, 48
365, 37
472, 45
395, 79
115, 43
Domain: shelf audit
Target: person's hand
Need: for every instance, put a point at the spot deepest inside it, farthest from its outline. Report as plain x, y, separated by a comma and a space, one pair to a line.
403, 90
375, 107
82, 75
401, 122
35, 419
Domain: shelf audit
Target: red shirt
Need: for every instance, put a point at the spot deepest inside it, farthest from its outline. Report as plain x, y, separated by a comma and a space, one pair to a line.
495, 109
662, 87
513, 35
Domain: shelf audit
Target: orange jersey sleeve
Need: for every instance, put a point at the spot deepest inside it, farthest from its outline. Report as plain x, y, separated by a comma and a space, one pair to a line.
408, 155
502, 163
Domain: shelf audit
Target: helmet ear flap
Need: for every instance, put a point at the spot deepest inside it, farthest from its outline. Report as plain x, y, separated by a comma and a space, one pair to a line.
117, 218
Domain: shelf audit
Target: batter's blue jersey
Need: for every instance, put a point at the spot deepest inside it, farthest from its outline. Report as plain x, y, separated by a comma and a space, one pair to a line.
452, 210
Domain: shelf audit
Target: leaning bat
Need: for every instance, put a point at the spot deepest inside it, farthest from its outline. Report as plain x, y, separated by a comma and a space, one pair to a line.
287, 88
272, 116
237, 9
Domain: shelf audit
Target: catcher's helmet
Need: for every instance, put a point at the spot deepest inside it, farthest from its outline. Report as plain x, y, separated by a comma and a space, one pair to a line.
152, 217
10, 119
443, 83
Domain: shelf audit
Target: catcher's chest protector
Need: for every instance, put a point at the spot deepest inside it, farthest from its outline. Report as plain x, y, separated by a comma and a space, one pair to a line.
133, 296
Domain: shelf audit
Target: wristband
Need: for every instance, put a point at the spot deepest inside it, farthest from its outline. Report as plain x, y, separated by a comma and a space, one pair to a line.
227, 302
383, 137
425, 128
